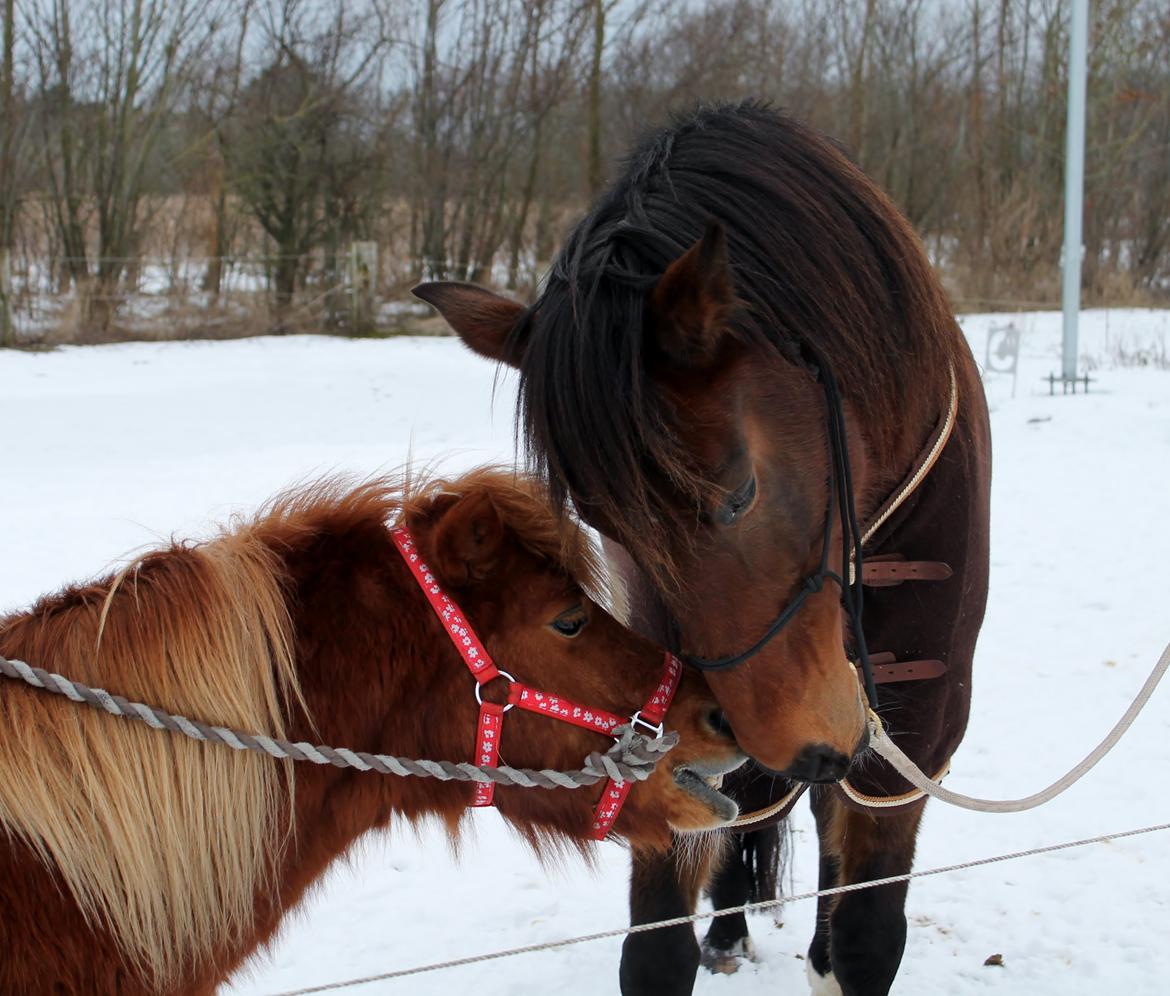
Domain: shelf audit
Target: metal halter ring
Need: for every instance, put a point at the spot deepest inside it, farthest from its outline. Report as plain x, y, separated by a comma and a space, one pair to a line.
657, 730
502, 674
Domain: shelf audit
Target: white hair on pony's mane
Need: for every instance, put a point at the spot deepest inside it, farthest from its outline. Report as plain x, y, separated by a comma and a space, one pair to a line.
161, 839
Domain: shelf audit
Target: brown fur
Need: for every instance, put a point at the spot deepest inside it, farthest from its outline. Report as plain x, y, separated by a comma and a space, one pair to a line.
662, 366
140, 862
658, 378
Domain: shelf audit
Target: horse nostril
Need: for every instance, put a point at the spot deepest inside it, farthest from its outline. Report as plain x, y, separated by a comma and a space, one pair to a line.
717, 721
818, 763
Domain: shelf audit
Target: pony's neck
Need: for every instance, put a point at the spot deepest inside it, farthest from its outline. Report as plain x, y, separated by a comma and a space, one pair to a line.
366, 674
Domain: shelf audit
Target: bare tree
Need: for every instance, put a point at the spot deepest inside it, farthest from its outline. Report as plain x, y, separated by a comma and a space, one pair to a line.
111, 76
484, 87
297, 145
13, 130
215, 104
473, 130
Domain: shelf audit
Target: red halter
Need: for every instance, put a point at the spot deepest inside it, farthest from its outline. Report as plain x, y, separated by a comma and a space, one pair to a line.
491, 716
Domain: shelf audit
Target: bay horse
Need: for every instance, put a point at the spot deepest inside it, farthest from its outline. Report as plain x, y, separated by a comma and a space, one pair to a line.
741, 369
134, 861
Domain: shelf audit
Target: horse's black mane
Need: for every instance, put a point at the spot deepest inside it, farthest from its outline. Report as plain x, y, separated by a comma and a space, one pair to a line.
818, 255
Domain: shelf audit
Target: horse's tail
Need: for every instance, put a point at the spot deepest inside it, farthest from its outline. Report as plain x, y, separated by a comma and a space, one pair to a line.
162, 839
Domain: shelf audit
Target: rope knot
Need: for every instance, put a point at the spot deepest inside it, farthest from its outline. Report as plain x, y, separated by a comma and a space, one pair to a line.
633, 756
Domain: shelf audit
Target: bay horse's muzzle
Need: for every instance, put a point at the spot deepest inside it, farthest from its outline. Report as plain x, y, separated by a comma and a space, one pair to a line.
820, 763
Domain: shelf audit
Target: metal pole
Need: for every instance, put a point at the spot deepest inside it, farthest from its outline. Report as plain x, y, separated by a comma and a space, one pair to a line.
1074, 182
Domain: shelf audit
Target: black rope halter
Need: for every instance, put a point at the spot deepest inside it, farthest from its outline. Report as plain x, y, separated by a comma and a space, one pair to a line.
841, 498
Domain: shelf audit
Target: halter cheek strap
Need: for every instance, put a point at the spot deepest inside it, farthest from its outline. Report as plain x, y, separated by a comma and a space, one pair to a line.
491, 715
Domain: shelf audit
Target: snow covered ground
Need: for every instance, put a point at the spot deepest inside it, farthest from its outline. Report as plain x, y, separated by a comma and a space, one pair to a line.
106, 449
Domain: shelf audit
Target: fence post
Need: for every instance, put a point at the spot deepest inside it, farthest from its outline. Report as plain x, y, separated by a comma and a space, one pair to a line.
363, 279
1074, 186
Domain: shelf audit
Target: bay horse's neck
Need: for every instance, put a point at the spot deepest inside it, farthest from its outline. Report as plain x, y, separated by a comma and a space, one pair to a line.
889, 426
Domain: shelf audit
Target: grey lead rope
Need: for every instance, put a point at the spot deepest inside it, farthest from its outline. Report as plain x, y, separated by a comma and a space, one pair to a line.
632, 758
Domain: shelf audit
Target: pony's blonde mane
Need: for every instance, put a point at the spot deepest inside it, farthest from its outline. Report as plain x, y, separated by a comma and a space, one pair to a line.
164, 840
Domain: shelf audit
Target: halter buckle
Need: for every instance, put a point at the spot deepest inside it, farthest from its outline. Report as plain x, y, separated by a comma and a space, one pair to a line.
657, 730
502, 674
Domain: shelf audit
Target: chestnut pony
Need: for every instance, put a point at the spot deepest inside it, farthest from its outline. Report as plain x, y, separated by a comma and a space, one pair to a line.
134, 861
742, 337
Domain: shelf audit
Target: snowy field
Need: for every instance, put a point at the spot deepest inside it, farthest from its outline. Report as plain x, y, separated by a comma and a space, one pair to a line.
107, 449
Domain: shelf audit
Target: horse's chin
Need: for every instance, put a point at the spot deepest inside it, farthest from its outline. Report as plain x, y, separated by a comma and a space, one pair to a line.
702, 781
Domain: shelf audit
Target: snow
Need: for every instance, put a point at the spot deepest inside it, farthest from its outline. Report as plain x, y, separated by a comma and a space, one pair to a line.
107, 449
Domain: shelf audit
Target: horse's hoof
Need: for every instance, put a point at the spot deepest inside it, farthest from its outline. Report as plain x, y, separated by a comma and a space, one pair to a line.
726, 961
822, 985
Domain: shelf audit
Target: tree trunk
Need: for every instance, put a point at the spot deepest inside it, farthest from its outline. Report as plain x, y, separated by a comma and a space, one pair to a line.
7, 325
434, 249
857, 86
7, 177
213, 275
595, 178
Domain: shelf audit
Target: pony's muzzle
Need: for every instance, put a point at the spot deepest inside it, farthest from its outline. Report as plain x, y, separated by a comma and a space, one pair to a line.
704, 779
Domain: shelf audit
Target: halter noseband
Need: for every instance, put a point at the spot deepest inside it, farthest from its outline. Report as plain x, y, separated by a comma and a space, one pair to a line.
491, 715
841, 491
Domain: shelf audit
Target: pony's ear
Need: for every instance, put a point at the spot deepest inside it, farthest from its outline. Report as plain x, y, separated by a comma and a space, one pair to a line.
481, 318
690, 305
468, 540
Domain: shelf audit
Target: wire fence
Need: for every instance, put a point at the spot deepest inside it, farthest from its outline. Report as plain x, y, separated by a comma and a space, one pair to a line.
362, 289
353, 292
746, 908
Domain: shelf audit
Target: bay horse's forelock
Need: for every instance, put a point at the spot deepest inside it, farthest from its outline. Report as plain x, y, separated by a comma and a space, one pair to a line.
820, 256
136, 862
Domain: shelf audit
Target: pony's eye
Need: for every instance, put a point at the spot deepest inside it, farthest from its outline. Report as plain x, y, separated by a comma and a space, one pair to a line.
570, 623
738, 502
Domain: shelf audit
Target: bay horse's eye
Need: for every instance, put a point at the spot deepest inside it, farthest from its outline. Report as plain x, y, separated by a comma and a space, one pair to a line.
738, 502
570, 623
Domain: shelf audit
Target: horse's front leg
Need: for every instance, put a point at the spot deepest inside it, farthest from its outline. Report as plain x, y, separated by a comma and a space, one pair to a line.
664, 962
658, 962
728, 941
861, 935
747, 873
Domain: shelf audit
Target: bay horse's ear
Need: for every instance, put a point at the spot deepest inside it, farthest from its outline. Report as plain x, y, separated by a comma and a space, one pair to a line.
481, 318
691, 303
468, 540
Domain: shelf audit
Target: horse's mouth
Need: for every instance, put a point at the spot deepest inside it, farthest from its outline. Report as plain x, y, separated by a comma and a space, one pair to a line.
702, 780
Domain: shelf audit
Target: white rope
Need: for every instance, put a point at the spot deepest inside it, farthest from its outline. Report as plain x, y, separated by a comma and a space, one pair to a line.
712, 914
887, 749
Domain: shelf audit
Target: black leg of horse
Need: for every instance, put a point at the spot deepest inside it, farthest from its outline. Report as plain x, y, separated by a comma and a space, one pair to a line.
727, 940
866, 932
658, 962
819, 961
748, 873
663, 962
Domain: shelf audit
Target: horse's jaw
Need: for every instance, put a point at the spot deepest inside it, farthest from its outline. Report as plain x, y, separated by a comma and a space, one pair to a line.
703, 779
